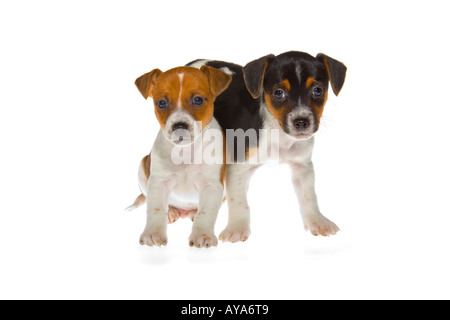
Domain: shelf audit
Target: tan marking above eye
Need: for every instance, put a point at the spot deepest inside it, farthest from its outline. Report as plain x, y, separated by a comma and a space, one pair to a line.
309, 82
285, 84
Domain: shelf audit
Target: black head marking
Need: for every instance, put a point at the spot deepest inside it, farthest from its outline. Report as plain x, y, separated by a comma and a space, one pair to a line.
254, 74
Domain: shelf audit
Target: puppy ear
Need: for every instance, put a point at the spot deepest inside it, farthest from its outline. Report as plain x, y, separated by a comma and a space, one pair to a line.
146, 82
254, 74
336, 72
218, 80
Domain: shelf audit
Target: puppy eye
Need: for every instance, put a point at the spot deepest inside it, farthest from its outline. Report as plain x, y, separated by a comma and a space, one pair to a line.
279, 94
317, 92
162, 104
198, 101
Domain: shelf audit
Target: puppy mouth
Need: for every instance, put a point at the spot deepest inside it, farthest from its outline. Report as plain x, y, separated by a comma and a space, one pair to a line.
181, 137
297, 134
302, 136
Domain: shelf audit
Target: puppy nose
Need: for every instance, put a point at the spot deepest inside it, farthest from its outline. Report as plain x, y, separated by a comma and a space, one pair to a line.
301, 123
179, 125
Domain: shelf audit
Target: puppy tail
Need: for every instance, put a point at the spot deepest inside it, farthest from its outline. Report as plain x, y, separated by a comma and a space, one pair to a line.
140, 200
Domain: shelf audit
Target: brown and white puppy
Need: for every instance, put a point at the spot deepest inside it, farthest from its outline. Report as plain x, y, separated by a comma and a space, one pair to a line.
275, 101
179, 177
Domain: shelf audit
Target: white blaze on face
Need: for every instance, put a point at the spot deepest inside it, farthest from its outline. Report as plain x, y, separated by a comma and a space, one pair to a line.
180, 76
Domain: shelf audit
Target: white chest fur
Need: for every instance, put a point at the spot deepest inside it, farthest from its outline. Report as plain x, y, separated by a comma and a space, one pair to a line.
187, 170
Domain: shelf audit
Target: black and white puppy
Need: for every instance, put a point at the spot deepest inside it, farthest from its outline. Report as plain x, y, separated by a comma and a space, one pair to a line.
276, 101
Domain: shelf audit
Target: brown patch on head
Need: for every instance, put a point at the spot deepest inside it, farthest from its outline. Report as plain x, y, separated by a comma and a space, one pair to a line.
195, 84
179, 86
279, 113
165, 88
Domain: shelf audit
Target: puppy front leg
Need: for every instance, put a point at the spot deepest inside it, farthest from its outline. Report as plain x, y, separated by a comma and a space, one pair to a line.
210, 201
238, 178
303, 178
155, 232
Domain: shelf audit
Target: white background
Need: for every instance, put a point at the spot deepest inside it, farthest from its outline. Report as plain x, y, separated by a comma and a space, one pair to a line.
74, 128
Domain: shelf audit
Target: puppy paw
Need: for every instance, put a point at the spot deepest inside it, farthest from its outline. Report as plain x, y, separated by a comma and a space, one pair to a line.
153, 239
201, 239
234, 234
319, 225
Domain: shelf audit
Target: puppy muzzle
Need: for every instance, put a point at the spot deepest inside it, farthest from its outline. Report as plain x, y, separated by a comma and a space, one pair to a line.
180, 128
301, 124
